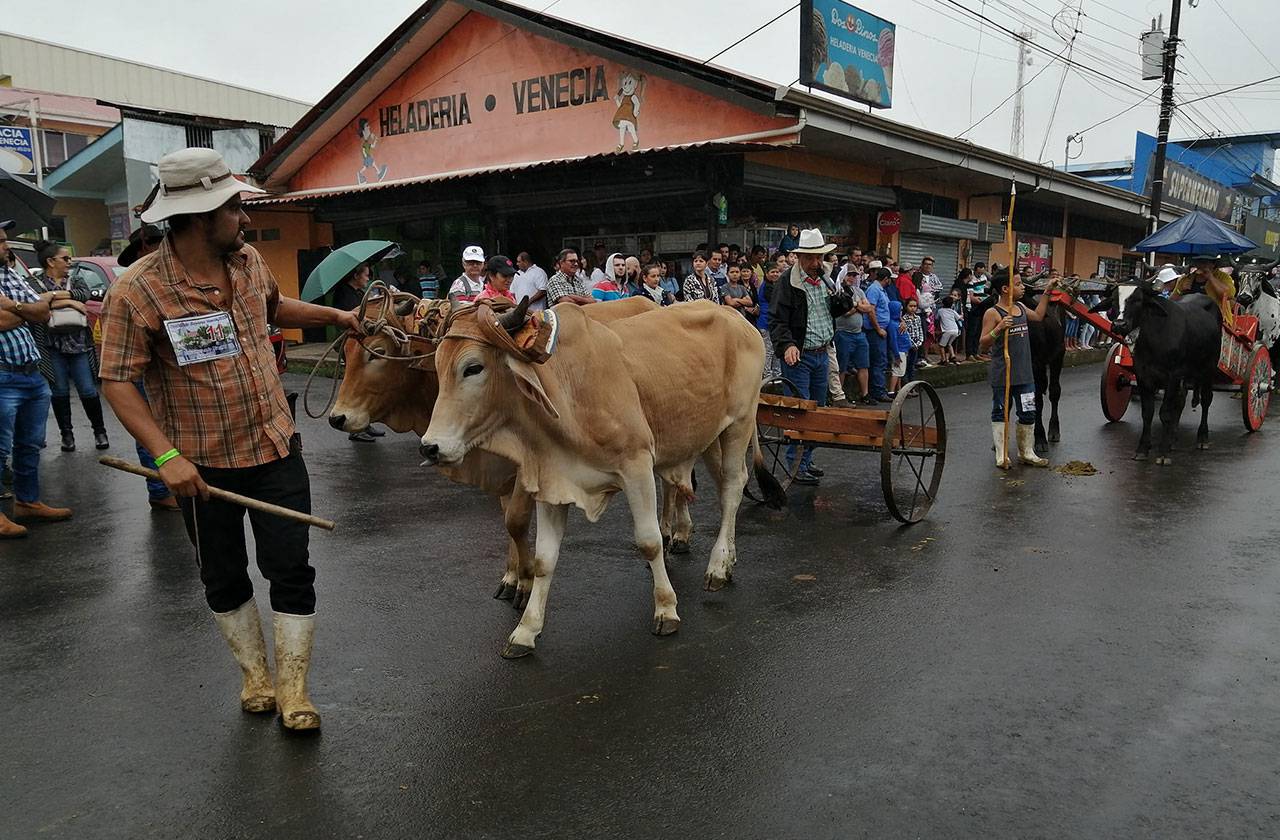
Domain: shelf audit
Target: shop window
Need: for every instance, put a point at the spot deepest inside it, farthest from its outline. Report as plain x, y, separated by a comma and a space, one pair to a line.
54, 152
58, 229
250, 236
270, 235
199, 136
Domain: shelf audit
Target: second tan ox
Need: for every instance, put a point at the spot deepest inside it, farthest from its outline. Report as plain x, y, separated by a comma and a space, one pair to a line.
613, 405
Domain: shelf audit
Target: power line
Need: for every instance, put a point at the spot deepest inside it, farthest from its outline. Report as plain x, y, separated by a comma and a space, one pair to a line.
1066, 68
1085, 131
1016, 91
1230, 89
1044, 50
769, 23
1242, 31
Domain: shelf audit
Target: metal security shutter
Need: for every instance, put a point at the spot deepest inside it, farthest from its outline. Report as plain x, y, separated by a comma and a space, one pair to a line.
912, 248
979, 252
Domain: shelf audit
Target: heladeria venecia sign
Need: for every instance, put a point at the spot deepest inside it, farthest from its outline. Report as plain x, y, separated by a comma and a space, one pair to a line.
846, 51
487, 95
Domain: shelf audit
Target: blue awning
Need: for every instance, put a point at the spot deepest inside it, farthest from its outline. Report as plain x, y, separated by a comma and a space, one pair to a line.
1196, 233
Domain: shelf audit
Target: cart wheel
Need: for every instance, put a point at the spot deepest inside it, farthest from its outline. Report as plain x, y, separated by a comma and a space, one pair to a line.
1256, 390
1117, 382
773, 445
913, 452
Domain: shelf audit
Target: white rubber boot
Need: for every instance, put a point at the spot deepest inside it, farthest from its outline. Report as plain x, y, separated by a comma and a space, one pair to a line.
1027, 447
294, 634
1002, 451
243, 631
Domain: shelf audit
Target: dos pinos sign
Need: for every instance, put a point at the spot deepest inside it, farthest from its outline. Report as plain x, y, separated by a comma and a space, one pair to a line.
845, 51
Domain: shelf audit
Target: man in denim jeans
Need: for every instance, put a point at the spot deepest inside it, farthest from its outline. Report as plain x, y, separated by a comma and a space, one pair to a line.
801, 324
24, 393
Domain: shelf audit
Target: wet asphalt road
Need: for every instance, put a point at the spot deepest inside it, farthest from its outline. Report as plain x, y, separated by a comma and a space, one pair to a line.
1060, 657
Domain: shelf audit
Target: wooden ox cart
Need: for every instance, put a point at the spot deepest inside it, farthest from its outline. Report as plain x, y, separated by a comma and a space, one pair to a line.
910, 436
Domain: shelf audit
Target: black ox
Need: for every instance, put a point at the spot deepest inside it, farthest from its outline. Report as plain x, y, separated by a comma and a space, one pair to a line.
1176, 351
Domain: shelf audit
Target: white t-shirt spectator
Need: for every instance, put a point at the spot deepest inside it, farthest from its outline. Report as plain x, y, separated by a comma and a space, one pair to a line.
529, 283
597, 277
948, 319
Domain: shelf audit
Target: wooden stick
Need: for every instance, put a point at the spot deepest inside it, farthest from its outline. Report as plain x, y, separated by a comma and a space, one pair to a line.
227, 496
1008, 370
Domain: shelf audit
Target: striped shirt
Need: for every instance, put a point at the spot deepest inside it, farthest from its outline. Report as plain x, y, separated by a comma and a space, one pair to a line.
18, 345
229, 412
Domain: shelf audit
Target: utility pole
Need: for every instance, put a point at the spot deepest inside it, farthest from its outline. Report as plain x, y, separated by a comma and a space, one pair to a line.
1024, 61
1166, 116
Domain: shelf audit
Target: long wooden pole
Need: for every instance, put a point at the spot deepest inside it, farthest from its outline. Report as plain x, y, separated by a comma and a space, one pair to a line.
1013, 264
227, 496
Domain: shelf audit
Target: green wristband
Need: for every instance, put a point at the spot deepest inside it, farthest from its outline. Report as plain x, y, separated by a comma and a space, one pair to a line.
994, 335
167, 457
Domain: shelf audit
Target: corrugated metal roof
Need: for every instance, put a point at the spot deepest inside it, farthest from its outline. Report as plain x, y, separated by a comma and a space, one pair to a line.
320, 194
67, 108
45, 66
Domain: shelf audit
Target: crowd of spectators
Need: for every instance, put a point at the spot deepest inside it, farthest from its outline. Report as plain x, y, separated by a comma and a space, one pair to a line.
904, 318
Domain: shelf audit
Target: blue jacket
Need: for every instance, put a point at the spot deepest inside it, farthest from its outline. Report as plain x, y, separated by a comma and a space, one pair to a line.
898, 341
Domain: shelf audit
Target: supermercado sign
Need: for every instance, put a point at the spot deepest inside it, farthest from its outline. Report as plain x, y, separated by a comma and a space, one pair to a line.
488, 95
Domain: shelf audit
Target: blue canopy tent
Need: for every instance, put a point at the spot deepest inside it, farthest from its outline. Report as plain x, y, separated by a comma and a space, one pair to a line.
1196, 233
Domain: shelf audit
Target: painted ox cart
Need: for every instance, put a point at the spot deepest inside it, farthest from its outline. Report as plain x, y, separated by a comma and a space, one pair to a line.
1244, 365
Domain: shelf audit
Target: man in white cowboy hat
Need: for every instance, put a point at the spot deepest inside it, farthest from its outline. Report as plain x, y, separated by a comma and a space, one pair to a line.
191, 320
802, 326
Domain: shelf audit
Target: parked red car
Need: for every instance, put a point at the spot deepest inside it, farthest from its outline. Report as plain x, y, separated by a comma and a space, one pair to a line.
98, 273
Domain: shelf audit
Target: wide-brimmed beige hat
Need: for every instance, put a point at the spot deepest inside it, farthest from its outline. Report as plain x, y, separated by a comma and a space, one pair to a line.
811, 242
192, 181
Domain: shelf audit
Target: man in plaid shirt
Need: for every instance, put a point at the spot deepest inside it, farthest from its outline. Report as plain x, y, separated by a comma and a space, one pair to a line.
191, 319
24, 394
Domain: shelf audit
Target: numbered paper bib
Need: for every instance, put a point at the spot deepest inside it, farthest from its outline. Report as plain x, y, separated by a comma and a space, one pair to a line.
203, 338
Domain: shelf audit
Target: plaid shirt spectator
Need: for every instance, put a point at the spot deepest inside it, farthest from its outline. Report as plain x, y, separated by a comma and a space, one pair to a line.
17, 346
226, 413
705, 289
561, 284
915, 330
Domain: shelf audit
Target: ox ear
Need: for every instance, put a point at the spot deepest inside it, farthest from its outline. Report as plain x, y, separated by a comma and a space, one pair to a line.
530, 387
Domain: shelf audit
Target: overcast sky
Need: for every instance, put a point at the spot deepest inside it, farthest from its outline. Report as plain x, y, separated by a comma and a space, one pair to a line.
948, 75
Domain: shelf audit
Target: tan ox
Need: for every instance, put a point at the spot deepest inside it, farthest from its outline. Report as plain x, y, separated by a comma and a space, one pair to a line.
613, 405
389, 390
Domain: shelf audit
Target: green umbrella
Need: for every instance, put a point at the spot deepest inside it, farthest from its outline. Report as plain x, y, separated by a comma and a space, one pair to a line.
342, 262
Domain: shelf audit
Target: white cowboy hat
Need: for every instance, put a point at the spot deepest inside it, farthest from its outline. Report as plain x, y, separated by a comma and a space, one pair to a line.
1167, 274
192, 181
811, 242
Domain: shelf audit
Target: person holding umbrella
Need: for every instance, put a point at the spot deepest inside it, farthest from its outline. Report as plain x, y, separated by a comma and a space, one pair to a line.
192, 319
348, 295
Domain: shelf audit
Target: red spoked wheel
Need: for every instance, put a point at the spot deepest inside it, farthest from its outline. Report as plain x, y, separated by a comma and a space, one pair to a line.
1117, 382
1255, 395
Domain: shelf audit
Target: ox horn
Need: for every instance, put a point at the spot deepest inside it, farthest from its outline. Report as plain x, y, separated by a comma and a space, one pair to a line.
514, 320
406, 306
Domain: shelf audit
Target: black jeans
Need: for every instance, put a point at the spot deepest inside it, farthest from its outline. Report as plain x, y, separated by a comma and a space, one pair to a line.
281, 544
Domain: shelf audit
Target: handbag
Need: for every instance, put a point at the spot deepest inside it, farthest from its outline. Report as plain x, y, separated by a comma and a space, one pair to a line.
64, 320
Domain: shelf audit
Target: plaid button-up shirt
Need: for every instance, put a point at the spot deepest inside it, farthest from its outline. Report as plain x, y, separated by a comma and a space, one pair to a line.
561, 284
228, 412
18, 345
